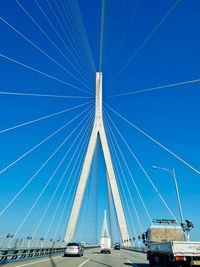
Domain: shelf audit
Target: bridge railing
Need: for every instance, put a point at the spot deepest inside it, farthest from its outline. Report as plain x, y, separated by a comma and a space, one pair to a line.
27, 248
28, 243
21, 249
24, 253
137, 249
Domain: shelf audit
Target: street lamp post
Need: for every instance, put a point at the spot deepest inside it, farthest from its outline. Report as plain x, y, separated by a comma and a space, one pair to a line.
176, 186
134, 241
129, 242
178, 197
139, 238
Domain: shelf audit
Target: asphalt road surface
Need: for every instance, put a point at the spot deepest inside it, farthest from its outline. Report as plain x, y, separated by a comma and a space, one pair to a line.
91, 258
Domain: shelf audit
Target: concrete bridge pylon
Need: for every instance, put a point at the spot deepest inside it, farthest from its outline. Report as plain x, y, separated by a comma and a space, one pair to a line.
98, 130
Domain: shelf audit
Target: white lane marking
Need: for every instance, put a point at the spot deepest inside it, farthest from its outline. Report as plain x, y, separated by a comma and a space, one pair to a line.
132, 263
83, 263
31, 263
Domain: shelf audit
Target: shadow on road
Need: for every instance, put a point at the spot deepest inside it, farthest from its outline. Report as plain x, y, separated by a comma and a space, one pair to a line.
136, 264
52, 261
99, 262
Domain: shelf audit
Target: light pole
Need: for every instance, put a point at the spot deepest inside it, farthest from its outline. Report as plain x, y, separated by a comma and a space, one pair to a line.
133, 241
139, 238
177, 193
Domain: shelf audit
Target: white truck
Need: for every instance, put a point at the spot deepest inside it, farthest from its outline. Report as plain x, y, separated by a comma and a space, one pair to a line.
167, 247
105, 244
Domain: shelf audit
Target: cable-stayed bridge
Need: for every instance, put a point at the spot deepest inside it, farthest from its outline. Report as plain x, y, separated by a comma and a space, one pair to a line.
76, 140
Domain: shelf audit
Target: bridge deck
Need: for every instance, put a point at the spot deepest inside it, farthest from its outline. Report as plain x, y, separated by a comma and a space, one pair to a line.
91, 258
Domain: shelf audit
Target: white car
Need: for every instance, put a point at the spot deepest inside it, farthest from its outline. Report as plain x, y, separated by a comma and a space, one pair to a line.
73, 248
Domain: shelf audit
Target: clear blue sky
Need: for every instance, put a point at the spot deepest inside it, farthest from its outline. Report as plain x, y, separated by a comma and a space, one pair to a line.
170, 115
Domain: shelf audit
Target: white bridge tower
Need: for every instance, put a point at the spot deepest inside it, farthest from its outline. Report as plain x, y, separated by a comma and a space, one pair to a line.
98, 130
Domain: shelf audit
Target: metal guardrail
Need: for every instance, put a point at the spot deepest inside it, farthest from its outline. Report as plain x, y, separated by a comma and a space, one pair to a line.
29, 243
142, 250
25, 253
10, 254
21, 249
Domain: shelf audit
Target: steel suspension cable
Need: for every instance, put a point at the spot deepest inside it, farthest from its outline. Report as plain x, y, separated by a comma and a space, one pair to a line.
52, 42
45, 95
145, 172
87, 196
70, 207
96, 176
76, 42
43, 73
86, 200
61, 197
148, 37
127, 164
55, 191
68, 49
155, 88
109, 208
76, 186
82, 32
42, 118
36, 173
39, 49
101, 41
52, 26
117, 23
66, 25
152, 139
114, 15
133, 183
41, 193
77, 169
126, 201
113, 151
43, 141
127, 29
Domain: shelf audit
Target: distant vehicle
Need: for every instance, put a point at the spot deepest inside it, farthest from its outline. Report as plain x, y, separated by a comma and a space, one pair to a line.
105, 244
117, 247
73, 249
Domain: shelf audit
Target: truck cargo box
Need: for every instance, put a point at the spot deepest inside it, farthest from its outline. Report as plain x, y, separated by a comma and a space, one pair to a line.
162, 233
105, 244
